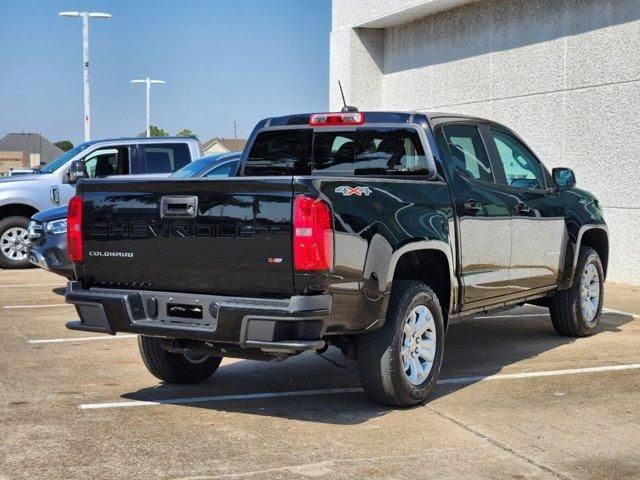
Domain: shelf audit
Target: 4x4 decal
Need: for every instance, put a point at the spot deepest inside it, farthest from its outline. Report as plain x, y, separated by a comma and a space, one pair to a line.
347, 191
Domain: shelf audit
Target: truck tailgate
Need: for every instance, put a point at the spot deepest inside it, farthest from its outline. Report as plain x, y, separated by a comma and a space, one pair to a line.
227, 236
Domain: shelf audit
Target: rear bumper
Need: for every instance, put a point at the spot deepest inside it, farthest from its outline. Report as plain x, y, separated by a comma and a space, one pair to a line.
293, 324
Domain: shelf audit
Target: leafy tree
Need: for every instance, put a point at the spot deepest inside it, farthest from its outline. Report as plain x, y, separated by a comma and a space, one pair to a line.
185, 132
64, 145
154, 132
158, 132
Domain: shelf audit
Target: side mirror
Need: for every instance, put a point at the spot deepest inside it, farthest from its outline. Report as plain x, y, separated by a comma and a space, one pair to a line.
77, 171
563, 178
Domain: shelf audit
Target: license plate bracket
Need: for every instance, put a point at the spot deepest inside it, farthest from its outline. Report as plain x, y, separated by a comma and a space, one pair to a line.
183, 310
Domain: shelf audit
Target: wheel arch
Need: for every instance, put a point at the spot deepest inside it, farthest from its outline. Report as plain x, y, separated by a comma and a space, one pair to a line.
19, 209
596, 237
429, 262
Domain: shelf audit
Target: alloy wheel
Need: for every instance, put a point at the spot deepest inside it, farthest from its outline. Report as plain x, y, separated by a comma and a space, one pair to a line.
590, 292
13, 244
418, 345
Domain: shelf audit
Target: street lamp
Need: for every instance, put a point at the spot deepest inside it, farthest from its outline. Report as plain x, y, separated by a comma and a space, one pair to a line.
85, 62
148, 82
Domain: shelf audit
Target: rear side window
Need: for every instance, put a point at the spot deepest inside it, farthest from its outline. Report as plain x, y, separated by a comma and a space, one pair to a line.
468, 152
280, 152
389, 151
162, 158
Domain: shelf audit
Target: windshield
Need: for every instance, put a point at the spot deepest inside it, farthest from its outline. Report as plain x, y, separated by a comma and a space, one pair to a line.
194, 167
64, 158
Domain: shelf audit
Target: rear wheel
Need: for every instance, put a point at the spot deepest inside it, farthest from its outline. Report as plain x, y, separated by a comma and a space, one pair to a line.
399, 364
575, 312
13, 242
175, 367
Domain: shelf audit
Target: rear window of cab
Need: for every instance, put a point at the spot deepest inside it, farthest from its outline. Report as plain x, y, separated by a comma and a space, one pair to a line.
358, 151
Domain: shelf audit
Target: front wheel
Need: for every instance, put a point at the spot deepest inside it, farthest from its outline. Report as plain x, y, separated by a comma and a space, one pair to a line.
175, 367
575, 312
399, 364
14, 242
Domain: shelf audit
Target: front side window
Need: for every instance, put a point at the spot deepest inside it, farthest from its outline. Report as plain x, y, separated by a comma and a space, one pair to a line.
467, 151
521, 168
105, 162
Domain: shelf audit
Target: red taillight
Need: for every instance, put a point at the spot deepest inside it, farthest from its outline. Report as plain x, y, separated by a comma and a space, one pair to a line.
74, 229
336, 119
312, 235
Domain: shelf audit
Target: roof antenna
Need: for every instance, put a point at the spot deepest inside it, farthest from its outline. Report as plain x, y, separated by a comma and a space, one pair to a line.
346, 108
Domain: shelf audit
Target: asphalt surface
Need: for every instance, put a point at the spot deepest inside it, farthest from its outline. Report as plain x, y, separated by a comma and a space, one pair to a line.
515, 401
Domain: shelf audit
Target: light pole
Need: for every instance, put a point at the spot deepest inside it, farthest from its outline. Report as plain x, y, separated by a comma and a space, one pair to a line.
85, 62
148, 82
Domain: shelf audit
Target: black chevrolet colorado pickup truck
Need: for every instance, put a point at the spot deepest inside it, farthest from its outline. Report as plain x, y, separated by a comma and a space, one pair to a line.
371, 231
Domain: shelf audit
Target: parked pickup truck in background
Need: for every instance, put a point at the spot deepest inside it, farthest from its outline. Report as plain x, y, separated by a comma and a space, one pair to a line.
371, 231
47, 230
21, 196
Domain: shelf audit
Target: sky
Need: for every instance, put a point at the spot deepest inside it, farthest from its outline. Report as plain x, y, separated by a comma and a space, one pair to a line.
222, 60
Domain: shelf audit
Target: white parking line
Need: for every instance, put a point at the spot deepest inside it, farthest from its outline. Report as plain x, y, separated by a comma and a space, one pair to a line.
81, 339
11, 271
548, 373
445, 381
15, 307
620, 312
34, 285
219, 398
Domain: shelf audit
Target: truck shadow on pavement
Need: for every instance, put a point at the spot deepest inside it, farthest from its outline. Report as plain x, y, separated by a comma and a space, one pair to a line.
476, 347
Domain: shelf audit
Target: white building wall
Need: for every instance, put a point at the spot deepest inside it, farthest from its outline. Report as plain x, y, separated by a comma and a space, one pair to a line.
565, 74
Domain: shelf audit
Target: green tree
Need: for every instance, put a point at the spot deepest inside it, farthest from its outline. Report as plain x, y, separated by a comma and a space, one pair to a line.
64, 145
154, 132
158, 132
185, 132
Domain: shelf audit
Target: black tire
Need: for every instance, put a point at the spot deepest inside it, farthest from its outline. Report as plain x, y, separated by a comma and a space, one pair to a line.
378, 353
5, 225
174, 367
565, 306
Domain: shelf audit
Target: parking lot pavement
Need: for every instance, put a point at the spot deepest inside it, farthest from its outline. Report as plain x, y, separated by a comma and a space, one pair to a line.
515, 401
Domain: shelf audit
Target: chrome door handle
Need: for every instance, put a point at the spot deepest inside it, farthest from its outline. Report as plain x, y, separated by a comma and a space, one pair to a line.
522, 209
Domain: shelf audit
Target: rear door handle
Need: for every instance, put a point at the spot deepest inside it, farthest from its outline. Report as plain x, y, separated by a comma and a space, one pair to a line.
472, 206
179, 206
522, 209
